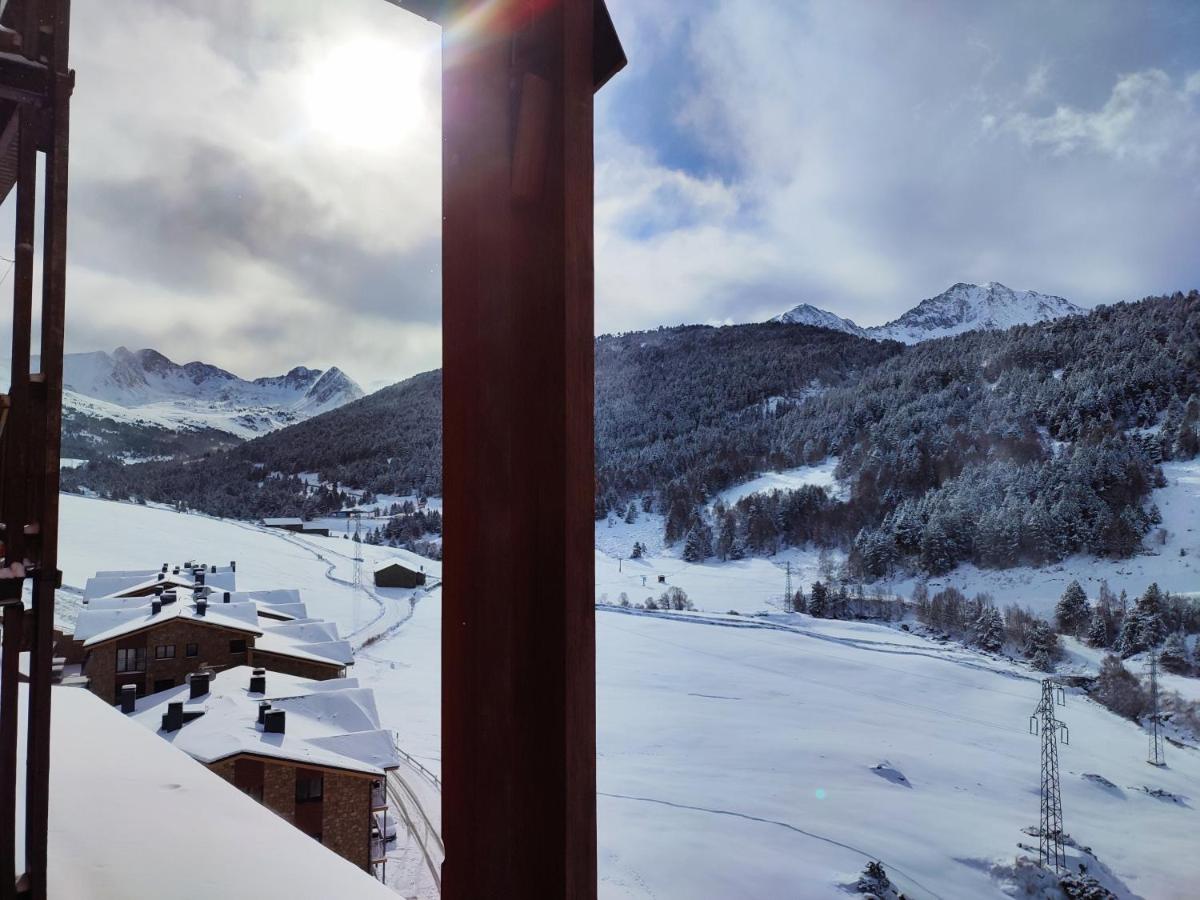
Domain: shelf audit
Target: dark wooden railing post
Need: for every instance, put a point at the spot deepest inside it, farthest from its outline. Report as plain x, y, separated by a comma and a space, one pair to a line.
518, 646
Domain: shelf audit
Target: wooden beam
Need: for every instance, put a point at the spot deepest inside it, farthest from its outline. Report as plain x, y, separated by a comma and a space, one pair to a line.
518, 645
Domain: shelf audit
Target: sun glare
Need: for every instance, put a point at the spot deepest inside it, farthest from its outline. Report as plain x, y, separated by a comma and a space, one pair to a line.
367, 94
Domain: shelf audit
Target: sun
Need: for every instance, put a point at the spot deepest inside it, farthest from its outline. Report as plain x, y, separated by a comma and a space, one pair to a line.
367, 94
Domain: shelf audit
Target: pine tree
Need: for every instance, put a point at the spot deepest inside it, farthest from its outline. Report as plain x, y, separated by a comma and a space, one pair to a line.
693, 546
631, 513
638, 550
799, 603
1072, 612
1174, 656
1042, 647
1150, 606
988, 632
1097, 633
818, 600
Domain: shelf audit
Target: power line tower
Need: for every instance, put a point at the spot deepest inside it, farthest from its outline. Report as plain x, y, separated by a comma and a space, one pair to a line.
1043, 722
787, 590
1155, 756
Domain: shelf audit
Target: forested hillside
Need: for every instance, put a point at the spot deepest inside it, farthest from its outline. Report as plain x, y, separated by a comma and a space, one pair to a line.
995, 447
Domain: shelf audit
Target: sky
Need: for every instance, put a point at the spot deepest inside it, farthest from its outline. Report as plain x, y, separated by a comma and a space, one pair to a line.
257, 185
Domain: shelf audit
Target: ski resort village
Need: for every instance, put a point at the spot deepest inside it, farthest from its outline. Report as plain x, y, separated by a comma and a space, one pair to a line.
662, 497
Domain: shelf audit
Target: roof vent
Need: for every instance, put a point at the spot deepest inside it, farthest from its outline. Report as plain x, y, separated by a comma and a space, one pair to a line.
175, 571
199, 576
158, 589
173, 718
128, 698
199, 684
155, 607
165, 567
263, 706
161, 576
258, 682
233, 565
225, 597
274, 721
201, 606
169, 597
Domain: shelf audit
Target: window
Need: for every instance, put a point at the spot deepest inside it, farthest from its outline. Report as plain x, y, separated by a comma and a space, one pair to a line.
193, 649
164, 651
163, 684
237, 646
310, 787
131, 659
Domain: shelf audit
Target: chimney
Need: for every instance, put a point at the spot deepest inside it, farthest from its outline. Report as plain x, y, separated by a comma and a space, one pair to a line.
199, 684
233, 565
175, 571
173, 718
155, 607
161, 576
199, 575
169, 597
128, 698
274, 721
225, 597
164, 568
201, 606
159, 588
263, 706
258, 681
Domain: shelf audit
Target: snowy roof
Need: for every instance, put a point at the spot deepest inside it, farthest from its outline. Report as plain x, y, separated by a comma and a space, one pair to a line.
402, 563
129, 775
328, 723
301, 637
96, 626
124, 585
276, 521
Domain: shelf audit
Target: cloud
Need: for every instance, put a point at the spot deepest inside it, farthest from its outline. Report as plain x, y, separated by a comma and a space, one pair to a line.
219, 208
1148, 118
870, 155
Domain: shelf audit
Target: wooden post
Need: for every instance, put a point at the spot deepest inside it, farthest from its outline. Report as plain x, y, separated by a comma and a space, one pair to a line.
518, 645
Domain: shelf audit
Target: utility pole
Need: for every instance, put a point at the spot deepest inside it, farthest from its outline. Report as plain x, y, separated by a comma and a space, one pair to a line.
1043, 722
357, 585
787, 590
1155, 757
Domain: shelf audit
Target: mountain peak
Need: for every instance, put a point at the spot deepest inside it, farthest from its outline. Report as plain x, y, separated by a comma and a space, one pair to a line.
807, 314
962, 307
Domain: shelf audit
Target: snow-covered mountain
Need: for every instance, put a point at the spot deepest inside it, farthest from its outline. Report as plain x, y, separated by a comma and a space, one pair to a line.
961, 308
973, 307
144, 387
806, 314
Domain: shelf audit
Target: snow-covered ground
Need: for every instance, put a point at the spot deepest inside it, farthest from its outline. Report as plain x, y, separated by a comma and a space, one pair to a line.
820, 475
748, 756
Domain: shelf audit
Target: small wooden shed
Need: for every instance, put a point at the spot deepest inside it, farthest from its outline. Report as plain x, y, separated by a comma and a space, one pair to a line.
395, 573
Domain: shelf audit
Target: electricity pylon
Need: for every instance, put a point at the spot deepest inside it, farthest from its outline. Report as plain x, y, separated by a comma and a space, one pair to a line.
787, 590
1155, 756
1043, 722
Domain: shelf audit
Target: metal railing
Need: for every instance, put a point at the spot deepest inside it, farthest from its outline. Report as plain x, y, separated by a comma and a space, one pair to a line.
414, 762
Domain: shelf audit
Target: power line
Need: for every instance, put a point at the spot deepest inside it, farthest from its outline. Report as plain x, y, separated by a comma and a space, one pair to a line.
1050, 827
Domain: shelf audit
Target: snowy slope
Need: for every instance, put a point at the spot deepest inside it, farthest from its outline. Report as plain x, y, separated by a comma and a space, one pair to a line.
144, 387
739, 756
961, 308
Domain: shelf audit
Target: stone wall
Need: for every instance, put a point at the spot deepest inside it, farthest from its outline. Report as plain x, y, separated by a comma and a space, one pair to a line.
212, 642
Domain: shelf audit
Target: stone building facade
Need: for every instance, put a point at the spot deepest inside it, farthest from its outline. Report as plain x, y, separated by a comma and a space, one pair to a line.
332, 806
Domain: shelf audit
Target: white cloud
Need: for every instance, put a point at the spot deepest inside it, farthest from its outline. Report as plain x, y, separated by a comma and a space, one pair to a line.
1148, 118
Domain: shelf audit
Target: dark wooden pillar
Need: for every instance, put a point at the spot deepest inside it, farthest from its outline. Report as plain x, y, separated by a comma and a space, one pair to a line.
518, 665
